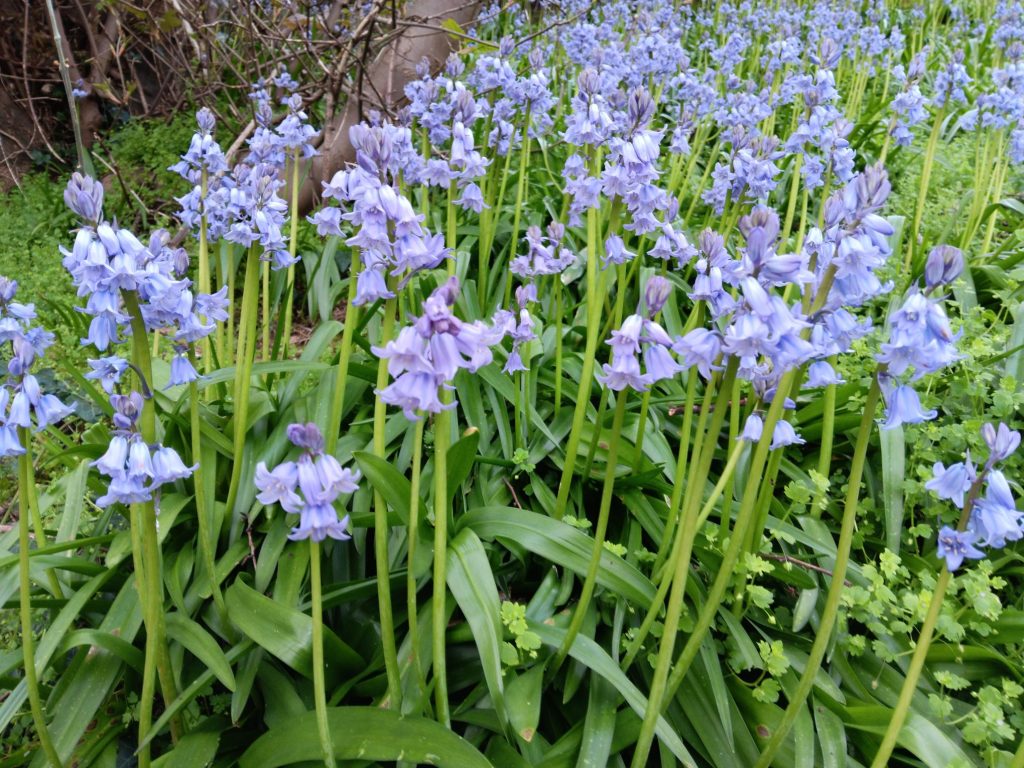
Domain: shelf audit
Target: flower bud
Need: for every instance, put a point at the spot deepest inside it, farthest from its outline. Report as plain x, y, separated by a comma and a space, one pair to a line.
656, 294
944, 265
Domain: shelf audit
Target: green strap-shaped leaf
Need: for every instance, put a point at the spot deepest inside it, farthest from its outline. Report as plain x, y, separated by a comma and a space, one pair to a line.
202, 645
387, 481
472, 583
286, 633
559, 543
592, 655
460, 461
364, 733
124, 650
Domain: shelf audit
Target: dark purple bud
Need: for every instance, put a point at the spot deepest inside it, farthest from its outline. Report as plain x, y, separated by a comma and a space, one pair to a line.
944, 265
8, 288
84, 196
205, 120
506, 46
589, 81
306, 436
455, 66
656, 293
640, 107
1001, 442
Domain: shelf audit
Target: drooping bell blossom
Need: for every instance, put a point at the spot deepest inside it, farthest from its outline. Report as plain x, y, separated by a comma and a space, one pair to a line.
204, 155
995, 517
106, 261
521, 332
309, 486
943, 266
903, 406
956, 546
425, 356
545, 255
952, 482
388, 231
641, 337
920, 338
22, 401
136, 469
1002, 442
782, 435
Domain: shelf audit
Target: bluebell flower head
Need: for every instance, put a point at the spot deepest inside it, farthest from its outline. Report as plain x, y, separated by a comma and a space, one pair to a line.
954, 546
995, 517
952, 482
944, 265
903, 406
1002, 442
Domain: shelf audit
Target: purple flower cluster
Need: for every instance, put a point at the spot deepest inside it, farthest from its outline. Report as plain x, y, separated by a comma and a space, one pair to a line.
136, 469
390, 234
309, 486
107, 261
22, 401
425, 356
640, 334
994, 519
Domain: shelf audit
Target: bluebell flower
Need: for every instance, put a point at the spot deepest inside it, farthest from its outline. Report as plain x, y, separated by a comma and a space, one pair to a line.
1001, 442
995, 517
943, 266
903, 406
320, 478
426, 355
952, 482
955, 546
820, 373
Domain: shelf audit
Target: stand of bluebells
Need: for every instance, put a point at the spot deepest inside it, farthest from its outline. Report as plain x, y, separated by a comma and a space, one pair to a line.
702, 167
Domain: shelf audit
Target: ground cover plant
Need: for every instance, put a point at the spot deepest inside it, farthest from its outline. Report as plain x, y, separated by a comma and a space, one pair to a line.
657, 406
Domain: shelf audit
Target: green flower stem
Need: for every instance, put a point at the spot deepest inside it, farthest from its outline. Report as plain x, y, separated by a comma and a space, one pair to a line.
226, 276
922, 190
794, 187
204, 273
380, 526
703, 179
293, 249
442, 440
319, 684
641, 426
681, 459
412, 607
451, 222
204, 512
682, 508
743, 520
558, 342
521, 184
681, 567
36, 519
157, 659
997, 183
243, 373
828, 616
828, 427
265, 295
599, 532
594, 304
344, 357
594, 296
924, 640
27, 496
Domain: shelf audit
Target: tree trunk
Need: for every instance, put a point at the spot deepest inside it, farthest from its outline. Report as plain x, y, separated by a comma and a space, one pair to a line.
385, 79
